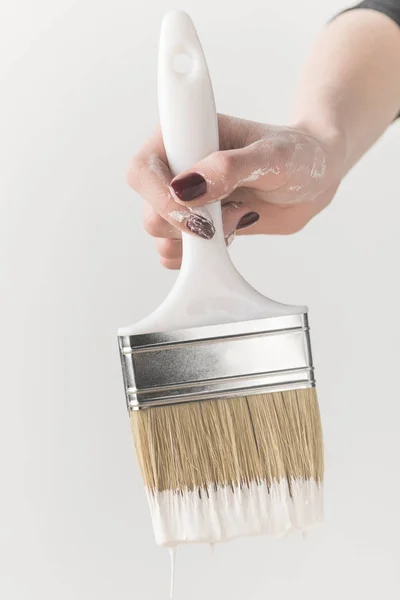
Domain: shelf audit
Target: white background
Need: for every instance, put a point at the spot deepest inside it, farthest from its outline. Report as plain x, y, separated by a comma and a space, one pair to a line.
77, 98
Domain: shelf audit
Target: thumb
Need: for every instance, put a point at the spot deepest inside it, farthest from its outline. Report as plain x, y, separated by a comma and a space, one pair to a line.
219, 174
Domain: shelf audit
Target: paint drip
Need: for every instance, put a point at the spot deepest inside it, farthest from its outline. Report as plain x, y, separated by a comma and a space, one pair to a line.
172, 554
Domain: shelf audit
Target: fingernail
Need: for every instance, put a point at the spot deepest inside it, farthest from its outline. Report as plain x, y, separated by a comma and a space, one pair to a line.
247, 220
200, 226
230, 238
189, 187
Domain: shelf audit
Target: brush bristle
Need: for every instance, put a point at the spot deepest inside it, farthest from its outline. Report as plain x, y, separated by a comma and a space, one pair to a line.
219, 469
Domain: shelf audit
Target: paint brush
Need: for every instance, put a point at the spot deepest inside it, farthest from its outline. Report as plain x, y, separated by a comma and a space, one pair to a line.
219, 380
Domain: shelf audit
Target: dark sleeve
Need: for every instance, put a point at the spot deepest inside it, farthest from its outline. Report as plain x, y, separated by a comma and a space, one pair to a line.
391, 8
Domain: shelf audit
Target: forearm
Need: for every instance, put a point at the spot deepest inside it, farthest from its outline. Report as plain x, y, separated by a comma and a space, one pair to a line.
350, 87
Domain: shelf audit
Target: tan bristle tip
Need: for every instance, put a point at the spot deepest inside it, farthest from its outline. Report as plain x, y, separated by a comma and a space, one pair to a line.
220, 469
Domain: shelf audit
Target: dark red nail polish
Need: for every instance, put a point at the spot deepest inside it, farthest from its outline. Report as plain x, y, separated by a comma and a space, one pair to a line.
189, 187
247, 220
200, 226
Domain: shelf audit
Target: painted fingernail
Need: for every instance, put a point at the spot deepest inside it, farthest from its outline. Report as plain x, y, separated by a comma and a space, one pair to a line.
200, 226
189, 187
247, 220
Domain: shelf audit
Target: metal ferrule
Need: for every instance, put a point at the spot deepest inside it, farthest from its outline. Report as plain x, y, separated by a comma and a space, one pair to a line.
202, 363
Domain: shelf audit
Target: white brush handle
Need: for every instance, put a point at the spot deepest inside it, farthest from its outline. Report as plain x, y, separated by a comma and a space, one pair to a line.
209, 290
189, 128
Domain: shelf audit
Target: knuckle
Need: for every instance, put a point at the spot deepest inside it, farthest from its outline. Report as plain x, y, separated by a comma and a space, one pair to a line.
223, 165
172, 265
291, 229
153, 224
293, 226
169, 249
278, 154
282, 152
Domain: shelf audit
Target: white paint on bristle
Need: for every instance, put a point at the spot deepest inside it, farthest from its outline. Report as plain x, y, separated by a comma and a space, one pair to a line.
225, 513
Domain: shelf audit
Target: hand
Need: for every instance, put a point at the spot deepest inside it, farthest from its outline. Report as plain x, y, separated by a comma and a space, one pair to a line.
269, 179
